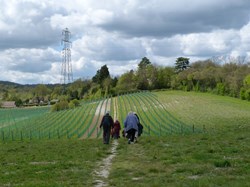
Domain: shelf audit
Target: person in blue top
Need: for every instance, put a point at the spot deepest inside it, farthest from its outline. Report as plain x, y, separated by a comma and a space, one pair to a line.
131, 127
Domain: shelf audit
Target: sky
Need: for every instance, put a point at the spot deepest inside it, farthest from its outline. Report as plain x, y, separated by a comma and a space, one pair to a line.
118, 33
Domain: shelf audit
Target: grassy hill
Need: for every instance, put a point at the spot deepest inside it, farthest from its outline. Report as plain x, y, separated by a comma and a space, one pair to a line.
190, 139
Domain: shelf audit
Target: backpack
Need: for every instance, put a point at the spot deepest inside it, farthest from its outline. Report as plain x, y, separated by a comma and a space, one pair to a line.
140, 129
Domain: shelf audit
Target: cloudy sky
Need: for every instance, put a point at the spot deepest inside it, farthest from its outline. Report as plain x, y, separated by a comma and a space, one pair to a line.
118, 33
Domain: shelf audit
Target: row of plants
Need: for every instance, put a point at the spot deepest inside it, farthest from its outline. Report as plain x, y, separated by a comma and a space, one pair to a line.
156, 119
71, 123
203, 110
84, 121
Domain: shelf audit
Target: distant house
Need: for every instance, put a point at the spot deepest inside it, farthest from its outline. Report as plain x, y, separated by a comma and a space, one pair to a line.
8, 104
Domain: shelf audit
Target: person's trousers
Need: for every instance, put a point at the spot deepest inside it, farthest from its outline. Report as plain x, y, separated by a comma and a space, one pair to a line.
131, 134
106, 136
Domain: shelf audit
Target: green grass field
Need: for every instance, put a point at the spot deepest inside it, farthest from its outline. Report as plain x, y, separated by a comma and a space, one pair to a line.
169, 153
50, 162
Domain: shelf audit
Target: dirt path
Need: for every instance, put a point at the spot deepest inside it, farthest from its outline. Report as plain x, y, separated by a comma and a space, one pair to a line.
102, 172
115, 108
101, 109
103, 169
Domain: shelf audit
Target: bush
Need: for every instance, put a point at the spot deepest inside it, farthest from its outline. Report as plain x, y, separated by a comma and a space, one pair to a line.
242, 93
247, 95
62, 105
220, 89
19, 102
75, 102
71, 105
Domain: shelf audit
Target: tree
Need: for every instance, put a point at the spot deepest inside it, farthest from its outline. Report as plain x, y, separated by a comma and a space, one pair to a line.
181, 64
233, 76
144, 62
57, 91
106, 85
18, 102
6, 95
73, 94
164, 78
152, 75
126, 82
245, 91
101, 75
40, 91
142, 74
246, 81
86, 87
114, 81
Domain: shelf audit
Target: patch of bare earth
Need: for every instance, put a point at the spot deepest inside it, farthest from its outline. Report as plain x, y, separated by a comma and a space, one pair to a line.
103, 169
115, 108
101, 109
102, 172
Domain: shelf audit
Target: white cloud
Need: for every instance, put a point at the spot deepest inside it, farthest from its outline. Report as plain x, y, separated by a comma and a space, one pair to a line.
29, 60
32, 65
217, 42
116, 33
106, 47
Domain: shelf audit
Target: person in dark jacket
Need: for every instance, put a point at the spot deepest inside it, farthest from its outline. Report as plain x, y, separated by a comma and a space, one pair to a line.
107, 124
131, 126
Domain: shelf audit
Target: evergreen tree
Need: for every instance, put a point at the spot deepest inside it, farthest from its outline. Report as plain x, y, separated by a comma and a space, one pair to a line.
181, 64
142, 74
101, 75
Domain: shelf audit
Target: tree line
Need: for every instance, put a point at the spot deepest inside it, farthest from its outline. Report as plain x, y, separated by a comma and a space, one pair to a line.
230, 79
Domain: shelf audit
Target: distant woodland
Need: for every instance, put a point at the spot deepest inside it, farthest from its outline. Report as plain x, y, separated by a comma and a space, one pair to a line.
230, 79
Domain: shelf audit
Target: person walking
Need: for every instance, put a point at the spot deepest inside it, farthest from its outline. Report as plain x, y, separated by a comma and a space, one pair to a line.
107, 124
116, 129
131, 126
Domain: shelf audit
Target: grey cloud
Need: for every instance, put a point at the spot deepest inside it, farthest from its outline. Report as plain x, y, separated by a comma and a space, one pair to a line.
166, 47
119, 52
29, 25
85, 73
33, 67
108, 47
116, 33
160, 20
31, 60
36, 37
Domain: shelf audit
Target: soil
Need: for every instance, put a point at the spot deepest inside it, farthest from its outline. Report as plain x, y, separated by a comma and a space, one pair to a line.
101, 109
102, 172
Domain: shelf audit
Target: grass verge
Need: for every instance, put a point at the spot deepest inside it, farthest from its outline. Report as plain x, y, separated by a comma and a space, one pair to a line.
220, 159
50, 163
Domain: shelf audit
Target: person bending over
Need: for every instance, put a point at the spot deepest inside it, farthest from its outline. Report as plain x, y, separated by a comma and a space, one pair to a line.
131, 126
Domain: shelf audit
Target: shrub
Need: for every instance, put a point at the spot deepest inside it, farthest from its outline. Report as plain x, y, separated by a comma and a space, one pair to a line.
242, 93
75, 102
19, 102
220, 89
62, 105
247, 95
71, 105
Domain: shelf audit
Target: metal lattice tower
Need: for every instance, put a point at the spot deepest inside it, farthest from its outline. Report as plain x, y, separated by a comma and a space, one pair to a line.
66, 71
